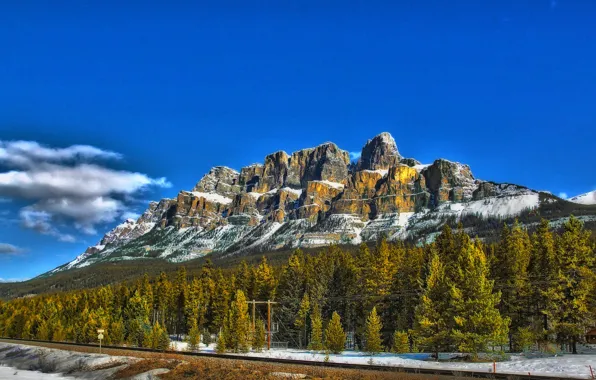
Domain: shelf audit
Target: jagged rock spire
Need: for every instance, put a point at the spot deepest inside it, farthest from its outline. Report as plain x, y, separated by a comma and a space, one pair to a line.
379, 153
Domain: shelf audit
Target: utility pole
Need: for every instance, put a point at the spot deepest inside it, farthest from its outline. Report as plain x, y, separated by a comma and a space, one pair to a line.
254, 304
269, 312
268, 324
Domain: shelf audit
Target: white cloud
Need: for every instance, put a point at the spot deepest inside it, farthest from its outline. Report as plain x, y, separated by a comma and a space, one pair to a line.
62, 186
355, 155
24, 154
563, 195
13, 279
9, 249
41, 221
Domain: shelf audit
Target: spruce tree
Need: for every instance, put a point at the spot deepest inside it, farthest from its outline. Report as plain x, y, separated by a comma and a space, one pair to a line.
400, 344
476, 316
372, 334
239, 337
335, 337
316, 333
573, 293
432, 325
301, 319
116, 332
542, 270
194, 338
59, 333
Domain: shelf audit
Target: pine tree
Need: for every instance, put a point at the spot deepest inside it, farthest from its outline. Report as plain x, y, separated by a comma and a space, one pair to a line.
116, 332
239, 337
431, 328
264, 281
58, 334
372, 333
400, 345
511, 272
289, 292
316, 333
301, 319
222, 338
542, 269
335, 337
194, 338
476, 316
259, 336
573, 293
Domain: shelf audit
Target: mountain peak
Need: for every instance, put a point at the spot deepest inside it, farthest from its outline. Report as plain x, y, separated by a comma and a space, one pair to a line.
380, 152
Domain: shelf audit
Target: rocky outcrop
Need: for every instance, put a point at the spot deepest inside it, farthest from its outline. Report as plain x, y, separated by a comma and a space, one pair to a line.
275, 171
403, 190
379, 153
221, 180
449, 182
250, 177
324, 163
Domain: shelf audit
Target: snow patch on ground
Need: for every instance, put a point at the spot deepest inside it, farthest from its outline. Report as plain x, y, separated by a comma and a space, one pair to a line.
565, 366
19, 374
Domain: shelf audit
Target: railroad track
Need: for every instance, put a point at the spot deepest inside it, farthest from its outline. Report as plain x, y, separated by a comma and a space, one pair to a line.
363, 367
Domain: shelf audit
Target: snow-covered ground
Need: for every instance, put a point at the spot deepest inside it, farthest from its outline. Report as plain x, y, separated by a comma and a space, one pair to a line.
18, 374
23, 359
563, 366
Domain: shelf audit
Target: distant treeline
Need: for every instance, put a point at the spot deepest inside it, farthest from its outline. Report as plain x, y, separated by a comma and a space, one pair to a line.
456, 294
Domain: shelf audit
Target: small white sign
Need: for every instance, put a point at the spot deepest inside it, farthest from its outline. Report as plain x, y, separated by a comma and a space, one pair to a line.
100, 336
100, 331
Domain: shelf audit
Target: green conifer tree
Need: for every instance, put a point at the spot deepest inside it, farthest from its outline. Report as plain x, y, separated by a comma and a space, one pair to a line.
194, 338
335, 337
239, 337
572, 309
431, 328
316, 333
372, 334
400, 344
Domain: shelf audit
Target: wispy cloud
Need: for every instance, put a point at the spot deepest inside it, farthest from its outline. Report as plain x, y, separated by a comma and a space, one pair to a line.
563, 195
355, 155
9, 249
68, 185
13, 279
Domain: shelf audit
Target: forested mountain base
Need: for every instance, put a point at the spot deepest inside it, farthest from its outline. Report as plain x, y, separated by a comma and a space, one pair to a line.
456, 294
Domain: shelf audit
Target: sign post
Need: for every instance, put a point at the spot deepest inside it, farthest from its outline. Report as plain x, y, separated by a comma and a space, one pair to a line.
100, 337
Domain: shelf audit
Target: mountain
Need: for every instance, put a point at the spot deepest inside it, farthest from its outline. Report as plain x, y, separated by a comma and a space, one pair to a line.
585, 199
316, 197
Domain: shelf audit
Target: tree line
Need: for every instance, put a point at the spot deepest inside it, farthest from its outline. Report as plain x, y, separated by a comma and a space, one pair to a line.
455, 294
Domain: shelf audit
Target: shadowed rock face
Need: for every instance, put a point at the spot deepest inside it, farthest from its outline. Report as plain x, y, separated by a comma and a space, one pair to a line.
313, 197
326, 162
449, 181
379, 153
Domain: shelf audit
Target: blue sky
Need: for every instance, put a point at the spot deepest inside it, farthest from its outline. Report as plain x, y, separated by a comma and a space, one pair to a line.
167, 91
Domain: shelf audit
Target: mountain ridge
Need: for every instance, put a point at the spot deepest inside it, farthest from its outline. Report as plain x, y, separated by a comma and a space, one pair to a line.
313, 197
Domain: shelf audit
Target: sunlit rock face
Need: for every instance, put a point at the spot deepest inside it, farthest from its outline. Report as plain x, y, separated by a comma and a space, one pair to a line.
312, 197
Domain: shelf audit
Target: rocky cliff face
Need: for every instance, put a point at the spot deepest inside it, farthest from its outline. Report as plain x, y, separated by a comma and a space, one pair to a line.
310, 198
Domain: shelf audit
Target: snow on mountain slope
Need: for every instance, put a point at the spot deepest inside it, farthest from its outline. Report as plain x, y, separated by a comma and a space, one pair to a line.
585, 199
